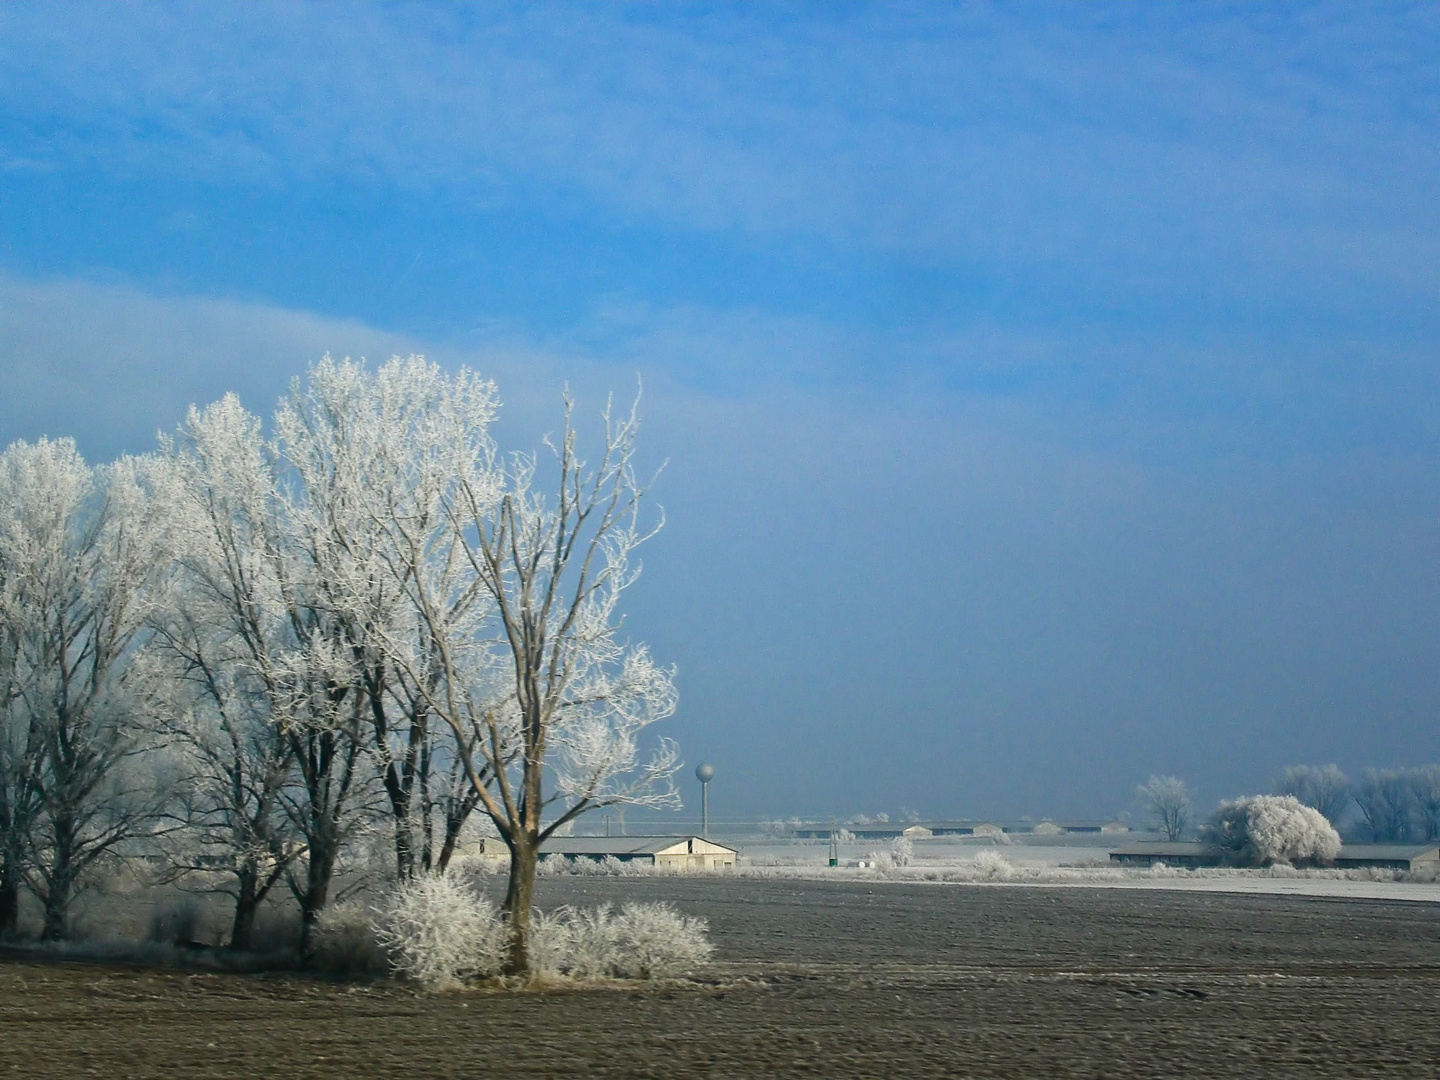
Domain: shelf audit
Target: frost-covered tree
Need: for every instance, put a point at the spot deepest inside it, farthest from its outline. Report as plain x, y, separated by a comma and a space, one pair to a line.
1325, 788
277, 733
18, 754
545, 700
79, 548
1168, 800
222, 640
1386, 798
374, 457
1266, 829
369, 606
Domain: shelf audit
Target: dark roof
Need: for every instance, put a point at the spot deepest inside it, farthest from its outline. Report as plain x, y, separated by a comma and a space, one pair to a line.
616, 845
1165, 847
1389, 851
1348, 852
938, 826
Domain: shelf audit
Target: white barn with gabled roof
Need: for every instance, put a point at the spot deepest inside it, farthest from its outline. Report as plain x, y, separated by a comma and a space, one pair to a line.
665, 852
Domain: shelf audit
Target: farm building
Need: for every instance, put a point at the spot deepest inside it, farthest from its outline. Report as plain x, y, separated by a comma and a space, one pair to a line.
1389, 856
1352, 856
666, 852
890, 830
1171, 853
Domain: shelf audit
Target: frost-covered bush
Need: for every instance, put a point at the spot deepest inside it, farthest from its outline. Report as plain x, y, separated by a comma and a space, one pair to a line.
656, 941
552, 865
439, 932
990, 865
581, 866
1266, 829
902, 852
641, 941
344, 939
577, 942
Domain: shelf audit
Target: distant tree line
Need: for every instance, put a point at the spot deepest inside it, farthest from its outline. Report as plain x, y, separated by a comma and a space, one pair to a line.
254, 655
1393, 805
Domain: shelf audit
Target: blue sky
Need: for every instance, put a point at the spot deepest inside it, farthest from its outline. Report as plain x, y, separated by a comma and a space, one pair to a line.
1049, 391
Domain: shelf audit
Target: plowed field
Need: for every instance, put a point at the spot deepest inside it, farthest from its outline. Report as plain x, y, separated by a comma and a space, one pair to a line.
818, 979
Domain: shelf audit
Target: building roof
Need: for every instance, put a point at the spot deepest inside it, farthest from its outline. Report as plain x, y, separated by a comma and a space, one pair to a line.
631, 845
1389, 851
882, 829
1166, 847
1348, 852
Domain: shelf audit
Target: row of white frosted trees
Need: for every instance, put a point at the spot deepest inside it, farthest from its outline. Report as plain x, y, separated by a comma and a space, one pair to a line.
247, 648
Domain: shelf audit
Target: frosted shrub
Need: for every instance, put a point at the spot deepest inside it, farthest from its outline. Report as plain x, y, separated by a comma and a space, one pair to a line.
439, 932
1266, 829
344, 939
576, 942
642, 941
902, 852
657, 942
580, 866
992, 866
550, 941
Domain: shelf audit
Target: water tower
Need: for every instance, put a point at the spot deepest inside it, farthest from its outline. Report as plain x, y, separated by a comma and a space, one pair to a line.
705, 772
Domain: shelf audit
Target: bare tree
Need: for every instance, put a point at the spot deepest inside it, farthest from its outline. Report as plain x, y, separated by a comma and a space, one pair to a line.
79, 547
1425, 787
1386, 798
545, 702
1168, 801
1324, 788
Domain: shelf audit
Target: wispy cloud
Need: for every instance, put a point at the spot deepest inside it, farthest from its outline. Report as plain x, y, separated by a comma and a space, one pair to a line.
1220, 147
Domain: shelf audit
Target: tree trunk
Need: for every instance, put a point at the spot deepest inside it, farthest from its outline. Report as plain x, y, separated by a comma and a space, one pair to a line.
247, 904
11, 867
57, 908
519, 899
60, 880
320, 869
447, 846
9, 895
404, 845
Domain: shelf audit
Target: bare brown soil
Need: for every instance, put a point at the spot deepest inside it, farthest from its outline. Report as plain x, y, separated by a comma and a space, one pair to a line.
818, 979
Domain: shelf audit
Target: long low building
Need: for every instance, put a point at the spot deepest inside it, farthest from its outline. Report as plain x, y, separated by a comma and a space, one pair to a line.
1170, 852
1389, 856
1351, 857
665, 852
890, 830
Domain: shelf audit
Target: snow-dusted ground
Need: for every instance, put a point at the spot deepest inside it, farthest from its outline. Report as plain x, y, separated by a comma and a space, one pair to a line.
1257, 882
